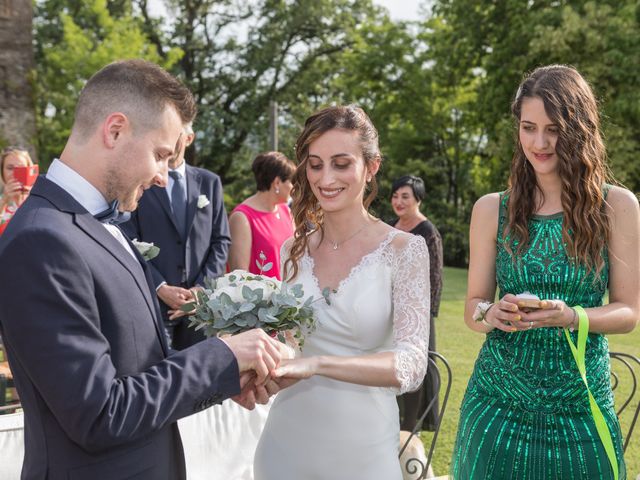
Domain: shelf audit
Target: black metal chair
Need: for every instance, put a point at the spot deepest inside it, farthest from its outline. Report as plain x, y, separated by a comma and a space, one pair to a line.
623, 365
414, 466
3, 390
6, 385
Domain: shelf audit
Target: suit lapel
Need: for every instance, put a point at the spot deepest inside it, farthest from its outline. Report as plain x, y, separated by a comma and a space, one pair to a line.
163, 198
152, 302
94, 229
103, 237
193, 192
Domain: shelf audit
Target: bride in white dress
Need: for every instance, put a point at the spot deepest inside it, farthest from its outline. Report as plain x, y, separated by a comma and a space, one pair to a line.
339, 418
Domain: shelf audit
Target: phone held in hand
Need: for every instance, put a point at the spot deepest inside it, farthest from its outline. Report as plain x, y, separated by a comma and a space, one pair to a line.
528, 301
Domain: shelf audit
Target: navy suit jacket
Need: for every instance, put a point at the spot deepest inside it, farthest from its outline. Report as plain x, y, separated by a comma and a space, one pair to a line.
82, 330
203, 253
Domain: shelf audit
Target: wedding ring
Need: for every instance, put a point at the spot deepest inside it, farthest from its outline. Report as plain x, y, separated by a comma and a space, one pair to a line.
530, 325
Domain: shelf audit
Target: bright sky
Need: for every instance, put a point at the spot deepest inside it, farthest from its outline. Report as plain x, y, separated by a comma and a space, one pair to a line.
401, 9
398, 9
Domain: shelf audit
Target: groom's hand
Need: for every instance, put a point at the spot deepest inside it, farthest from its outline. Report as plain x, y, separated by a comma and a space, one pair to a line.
247, 397
251, 393
255, 350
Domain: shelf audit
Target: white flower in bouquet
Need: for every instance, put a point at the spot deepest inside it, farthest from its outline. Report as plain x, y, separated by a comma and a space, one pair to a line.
241, 300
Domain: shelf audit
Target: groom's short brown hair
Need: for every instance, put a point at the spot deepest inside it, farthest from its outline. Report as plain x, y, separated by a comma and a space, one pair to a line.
139, 89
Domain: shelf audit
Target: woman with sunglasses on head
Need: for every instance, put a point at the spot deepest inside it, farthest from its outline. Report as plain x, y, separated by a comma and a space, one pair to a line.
14, 193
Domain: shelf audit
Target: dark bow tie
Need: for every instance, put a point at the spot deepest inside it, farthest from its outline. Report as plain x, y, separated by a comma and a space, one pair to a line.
112, 215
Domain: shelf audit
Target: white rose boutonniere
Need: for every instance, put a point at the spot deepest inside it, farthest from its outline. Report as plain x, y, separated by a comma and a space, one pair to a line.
147, 250
203, 201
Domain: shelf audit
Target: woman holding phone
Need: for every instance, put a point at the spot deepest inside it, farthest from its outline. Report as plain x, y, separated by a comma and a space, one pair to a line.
14, 192
552, 243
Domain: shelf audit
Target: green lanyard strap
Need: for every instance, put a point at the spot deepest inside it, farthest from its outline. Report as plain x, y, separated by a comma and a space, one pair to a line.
598, 418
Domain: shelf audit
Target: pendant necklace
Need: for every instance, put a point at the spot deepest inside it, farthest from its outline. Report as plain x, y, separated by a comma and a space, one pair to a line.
336, 245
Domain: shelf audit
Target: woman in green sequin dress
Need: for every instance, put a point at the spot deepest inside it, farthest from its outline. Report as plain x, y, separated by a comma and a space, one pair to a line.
561, 233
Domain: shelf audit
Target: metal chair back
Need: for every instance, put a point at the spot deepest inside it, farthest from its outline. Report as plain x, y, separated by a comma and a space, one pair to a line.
414, 465
624, 365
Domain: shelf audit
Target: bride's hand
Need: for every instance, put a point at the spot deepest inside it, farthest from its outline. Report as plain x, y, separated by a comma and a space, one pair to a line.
297, 368
292, 371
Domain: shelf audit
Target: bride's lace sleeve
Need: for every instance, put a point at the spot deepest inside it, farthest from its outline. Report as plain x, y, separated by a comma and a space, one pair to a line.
284, 255
410, 311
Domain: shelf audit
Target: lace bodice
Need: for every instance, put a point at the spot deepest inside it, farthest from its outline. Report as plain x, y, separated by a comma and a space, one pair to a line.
382, 305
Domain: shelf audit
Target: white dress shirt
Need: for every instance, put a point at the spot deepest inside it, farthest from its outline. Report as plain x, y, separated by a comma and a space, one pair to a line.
85, 194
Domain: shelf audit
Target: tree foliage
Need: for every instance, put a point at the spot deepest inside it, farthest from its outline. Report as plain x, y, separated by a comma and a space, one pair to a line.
238, 57
74, 40
438, 90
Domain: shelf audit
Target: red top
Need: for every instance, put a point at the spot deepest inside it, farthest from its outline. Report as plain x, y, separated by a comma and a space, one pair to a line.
6, 214
269, 230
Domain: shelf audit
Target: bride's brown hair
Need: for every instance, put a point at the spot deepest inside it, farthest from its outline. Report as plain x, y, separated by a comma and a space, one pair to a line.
570, 104
306, 211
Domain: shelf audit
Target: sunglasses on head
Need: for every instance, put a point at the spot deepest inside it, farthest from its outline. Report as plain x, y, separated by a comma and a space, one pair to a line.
14, 148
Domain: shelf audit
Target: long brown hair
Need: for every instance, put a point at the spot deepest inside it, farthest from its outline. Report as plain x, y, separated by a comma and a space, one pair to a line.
307, 214
570, 104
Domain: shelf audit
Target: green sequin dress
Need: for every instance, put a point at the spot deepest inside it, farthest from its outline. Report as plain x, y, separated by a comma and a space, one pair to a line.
525, 414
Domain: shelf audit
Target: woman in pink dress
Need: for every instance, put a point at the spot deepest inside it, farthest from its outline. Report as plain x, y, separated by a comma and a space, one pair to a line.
262, 223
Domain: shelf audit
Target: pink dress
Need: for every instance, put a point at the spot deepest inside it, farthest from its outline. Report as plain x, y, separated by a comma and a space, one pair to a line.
269, 230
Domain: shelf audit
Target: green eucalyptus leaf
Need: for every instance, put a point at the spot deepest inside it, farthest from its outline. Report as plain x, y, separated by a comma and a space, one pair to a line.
262, 315
246, 307
248, 294
188, 307
297, 291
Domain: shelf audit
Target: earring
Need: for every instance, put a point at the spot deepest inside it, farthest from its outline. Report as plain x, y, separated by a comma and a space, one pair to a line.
368, 179
277, 190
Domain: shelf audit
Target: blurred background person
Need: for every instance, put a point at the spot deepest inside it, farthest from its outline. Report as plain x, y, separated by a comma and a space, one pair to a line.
263, 221
407, 193
14, 193
187, 220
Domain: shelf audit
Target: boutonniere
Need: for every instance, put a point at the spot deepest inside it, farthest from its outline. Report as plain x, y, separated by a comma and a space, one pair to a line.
203, 201
147, 250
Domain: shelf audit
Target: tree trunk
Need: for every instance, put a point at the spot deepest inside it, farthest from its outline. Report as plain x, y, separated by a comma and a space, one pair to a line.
17, 109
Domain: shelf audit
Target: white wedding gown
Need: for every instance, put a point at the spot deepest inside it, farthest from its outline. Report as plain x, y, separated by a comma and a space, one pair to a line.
326, 429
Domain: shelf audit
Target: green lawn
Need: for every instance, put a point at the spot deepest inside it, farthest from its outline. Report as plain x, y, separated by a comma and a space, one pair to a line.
460, 346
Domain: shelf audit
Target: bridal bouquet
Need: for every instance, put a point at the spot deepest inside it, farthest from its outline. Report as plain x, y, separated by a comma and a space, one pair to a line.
240, 301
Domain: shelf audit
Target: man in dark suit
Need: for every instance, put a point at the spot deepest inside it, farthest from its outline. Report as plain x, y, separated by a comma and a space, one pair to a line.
101, 391
187, 220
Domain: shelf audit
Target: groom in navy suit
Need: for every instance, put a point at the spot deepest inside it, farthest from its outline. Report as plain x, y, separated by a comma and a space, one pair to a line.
80, 321
187, 220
